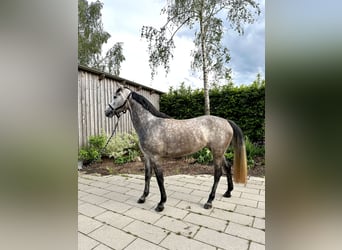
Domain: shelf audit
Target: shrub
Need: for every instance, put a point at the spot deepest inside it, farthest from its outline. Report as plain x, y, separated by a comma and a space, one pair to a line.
91, 152
124, 148
245, 105
205, 156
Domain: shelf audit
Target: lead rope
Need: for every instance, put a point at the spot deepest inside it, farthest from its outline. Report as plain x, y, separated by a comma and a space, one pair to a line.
103, 149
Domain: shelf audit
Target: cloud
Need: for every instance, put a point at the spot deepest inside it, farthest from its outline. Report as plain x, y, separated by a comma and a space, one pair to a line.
124, 19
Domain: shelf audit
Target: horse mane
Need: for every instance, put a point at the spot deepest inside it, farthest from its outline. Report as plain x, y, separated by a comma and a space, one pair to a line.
148, 105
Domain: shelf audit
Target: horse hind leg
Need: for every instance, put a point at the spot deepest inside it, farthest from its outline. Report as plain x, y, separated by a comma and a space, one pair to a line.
217, 176
227, 167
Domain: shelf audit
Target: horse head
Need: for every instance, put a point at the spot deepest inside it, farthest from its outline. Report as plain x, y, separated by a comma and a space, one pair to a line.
119, 102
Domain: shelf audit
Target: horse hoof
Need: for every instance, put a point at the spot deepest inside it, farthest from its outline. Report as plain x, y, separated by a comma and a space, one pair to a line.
208, 205
227, 194
159, 208
141, 200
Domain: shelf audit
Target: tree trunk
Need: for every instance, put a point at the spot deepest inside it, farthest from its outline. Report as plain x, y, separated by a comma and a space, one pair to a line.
204, 69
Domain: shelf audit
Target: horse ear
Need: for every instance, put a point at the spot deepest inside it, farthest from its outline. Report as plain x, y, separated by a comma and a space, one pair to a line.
120, 86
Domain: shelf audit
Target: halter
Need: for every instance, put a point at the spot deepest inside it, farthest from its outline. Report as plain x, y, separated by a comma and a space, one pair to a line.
117, 111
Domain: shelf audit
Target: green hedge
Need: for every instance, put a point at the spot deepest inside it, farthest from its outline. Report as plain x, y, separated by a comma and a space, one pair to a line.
245, 105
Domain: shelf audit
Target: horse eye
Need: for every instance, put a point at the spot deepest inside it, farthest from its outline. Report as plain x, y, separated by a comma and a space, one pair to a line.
114, 97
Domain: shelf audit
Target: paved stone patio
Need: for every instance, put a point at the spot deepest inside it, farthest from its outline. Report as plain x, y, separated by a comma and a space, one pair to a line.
109, 216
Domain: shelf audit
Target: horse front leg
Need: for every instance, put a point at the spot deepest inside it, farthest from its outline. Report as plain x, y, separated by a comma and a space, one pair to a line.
217, 176
160, 179
147, 180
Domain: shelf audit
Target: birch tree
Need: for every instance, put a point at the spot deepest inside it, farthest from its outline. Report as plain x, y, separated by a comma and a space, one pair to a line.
206, 18
91, 37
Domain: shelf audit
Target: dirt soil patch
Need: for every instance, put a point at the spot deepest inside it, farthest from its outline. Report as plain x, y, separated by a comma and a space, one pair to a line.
170, 167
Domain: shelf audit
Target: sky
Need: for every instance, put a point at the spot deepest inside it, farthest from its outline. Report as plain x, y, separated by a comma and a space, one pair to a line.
124, 19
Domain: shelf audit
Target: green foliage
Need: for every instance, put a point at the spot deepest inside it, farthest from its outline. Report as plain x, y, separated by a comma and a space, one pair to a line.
245, 105
203, 156
253, 150
93, 150
206, 20
123, 148
91, 37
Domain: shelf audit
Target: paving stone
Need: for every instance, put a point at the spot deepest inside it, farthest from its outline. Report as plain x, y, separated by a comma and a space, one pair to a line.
177, 226
116, 196
115, 206
146, 231
179, 242
200, 193
135, 192
232, 216
82, 180
261, 205
247, 190
115, 179
174, 212
242, 201
256, 246
114, 219
84, 187
221, 240
98, 191
112, 237
224, 204
86, 243
248, 233
136, 186
220, 192
147, 205
253, 186
170, 201
93, 199
86, 224
185, 197
173, 182
100, 184
259, 223
118, 189
102, 247
80, 202
198, 187
193, 179
260, 213
143, 215
140, 244
203, 220
80, 194
90, 210
253, 197
180, 189
193, 207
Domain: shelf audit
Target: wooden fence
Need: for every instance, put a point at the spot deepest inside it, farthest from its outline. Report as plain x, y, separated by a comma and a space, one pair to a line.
95, 91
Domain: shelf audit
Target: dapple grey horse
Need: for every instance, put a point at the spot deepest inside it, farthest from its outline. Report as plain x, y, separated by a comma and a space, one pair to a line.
163, 137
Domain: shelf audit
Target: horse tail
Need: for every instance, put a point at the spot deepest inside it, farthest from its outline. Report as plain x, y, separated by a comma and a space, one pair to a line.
240, 158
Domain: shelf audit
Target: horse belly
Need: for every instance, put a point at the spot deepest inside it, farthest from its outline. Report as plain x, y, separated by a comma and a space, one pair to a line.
183, 142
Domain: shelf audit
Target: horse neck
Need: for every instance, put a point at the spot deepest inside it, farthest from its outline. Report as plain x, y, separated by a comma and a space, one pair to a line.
139, 115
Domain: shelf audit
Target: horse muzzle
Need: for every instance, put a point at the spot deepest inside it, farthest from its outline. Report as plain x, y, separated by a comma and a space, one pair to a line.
109, 112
